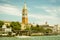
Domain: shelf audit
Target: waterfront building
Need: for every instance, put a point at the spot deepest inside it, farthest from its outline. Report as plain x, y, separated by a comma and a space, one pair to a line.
4, 30
55, 29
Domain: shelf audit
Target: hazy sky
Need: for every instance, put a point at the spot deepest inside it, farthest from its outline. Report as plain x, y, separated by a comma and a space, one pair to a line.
39, 11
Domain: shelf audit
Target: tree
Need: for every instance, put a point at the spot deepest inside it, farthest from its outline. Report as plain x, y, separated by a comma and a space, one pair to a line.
1, 23
15, 25
38, 28
35, 29
41, 29
37, 25
48, 31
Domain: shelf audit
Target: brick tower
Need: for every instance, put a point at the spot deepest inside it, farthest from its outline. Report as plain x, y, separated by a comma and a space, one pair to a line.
24, 14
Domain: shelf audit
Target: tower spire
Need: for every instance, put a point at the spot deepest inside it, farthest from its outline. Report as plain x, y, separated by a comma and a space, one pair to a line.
25, 7
24, 1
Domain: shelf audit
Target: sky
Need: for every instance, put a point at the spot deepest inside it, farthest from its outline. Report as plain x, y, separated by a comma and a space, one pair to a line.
39, 11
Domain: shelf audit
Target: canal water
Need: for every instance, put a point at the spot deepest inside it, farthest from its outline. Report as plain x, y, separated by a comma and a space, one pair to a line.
32, 38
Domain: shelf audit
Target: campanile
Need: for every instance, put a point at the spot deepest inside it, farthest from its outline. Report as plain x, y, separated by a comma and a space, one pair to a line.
24, 14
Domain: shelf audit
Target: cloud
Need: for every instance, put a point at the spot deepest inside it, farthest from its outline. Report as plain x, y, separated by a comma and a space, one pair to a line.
54, 1
39, 16
10, 9
5, 1
52, 10
52, 17
41, 19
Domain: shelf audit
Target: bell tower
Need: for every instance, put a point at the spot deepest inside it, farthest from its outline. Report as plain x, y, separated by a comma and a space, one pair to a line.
24, 14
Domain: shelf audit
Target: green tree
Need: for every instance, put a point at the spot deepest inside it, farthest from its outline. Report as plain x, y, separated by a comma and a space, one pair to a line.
38, 28
48, 31
28, 27
41, 29
15, 25
35, 29
37, 25
1, 23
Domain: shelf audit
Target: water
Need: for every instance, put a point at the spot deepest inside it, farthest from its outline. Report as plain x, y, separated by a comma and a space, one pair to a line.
32, 38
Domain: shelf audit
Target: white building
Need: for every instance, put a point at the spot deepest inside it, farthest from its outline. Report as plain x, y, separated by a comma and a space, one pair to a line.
4, 30
58, 28
55, 28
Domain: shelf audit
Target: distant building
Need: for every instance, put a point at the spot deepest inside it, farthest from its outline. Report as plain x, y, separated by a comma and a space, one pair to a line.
46, 23
4, 30
7, 23
47, 26
55, 28
58, 29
